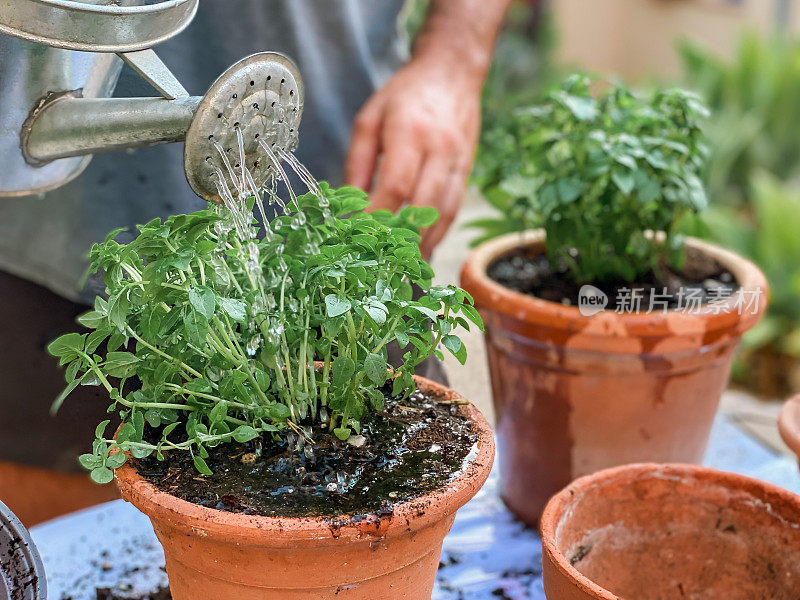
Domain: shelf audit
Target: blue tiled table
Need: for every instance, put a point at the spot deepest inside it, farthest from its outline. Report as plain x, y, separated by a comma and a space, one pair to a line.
488, 555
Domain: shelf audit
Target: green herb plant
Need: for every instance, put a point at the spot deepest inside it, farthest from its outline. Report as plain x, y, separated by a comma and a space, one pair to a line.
217, 330
600, 173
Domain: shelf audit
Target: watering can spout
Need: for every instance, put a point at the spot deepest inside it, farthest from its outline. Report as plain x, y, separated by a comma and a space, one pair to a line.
67, 126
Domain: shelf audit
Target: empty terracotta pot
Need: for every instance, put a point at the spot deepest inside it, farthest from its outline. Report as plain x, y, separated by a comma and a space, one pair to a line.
789, 424
574, 394
671, 532
213, 554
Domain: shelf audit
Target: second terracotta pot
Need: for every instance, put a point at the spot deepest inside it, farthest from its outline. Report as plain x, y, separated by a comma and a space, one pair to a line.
214, 555
574, 394
671, 532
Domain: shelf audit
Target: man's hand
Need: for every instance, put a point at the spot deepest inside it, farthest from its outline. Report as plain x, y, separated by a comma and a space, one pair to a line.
418, 133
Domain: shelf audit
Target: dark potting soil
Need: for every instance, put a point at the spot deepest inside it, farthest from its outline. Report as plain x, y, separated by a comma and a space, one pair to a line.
120, 593
411, 448
702, 279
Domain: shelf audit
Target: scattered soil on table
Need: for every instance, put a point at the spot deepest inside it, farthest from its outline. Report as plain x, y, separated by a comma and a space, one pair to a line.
702, 279
117, 593
413, 447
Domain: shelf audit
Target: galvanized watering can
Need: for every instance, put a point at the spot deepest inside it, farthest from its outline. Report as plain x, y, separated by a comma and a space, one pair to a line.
59, 64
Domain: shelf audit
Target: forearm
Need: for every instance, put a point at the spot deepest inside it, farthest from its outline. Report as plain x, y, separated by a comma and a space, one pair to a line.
459, 36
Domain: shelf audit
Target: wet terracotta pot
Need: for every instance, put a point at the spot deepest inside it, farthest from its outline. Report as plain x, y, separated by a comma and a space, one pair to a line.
789, 424
213, 554
574, 394
671, 532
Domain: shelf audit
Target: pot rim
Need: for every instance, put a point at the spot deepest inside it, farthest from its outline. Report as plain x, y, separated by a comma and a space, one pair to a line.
486, 292
26, 557
259, 530
789, 423
561, 504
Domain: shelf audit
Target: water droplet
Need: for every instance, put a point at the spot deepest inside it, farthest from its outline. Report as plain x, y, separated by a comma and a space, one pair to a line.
254, 269
252, 251
253, 345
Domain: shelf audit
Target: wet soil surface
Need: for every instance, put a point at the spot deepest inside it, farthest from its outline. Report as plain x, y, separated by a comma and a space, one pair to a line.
701, 280
413, 447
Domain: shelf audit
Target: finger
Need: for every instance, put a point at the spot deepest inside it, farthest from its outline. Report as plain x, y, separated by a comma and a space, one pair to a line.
433, 179
364, 146
399, 170
431, 187
451, 201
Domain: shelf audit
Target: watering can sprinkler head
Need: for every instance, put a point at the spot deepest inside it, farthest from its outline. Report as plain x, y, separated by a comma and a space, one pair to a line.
60, 67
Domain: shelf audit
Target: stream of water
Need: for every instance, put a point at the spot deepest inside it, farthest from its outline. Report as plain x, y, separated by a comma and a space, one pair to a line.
277, 198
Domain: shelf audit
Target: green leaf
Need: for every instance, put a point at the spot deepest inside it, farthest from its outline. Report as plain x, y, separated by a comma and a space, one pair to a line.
336, 305
126, 433
102, 475
203, 300
279, 412
376, 399
94, 340
67, 346
196, 327
376, 368
119, 364
472, 315
343, 370
151, 321
201, 466
570, 189
432, 314
377, 312
153, 417
200, 384
116, 340
420, 216
584, 109
456, 347
141, 452
235, 309
402, 339
118, 311
63, 395
244, 433
101, 428
624, 180
262, 379
91, 319
219, 412
115, 461
343, 433
90, 461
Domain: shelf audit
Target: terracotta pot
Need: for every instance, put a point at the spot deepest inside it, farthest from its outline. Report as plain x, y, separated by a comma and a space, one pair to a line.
213, 554
789, 424
671, 532
574, 394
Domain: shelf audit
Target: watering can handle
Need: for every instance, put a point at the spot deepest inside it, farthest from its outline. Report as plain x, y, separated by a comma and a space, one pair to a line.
96, 26
147, 64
